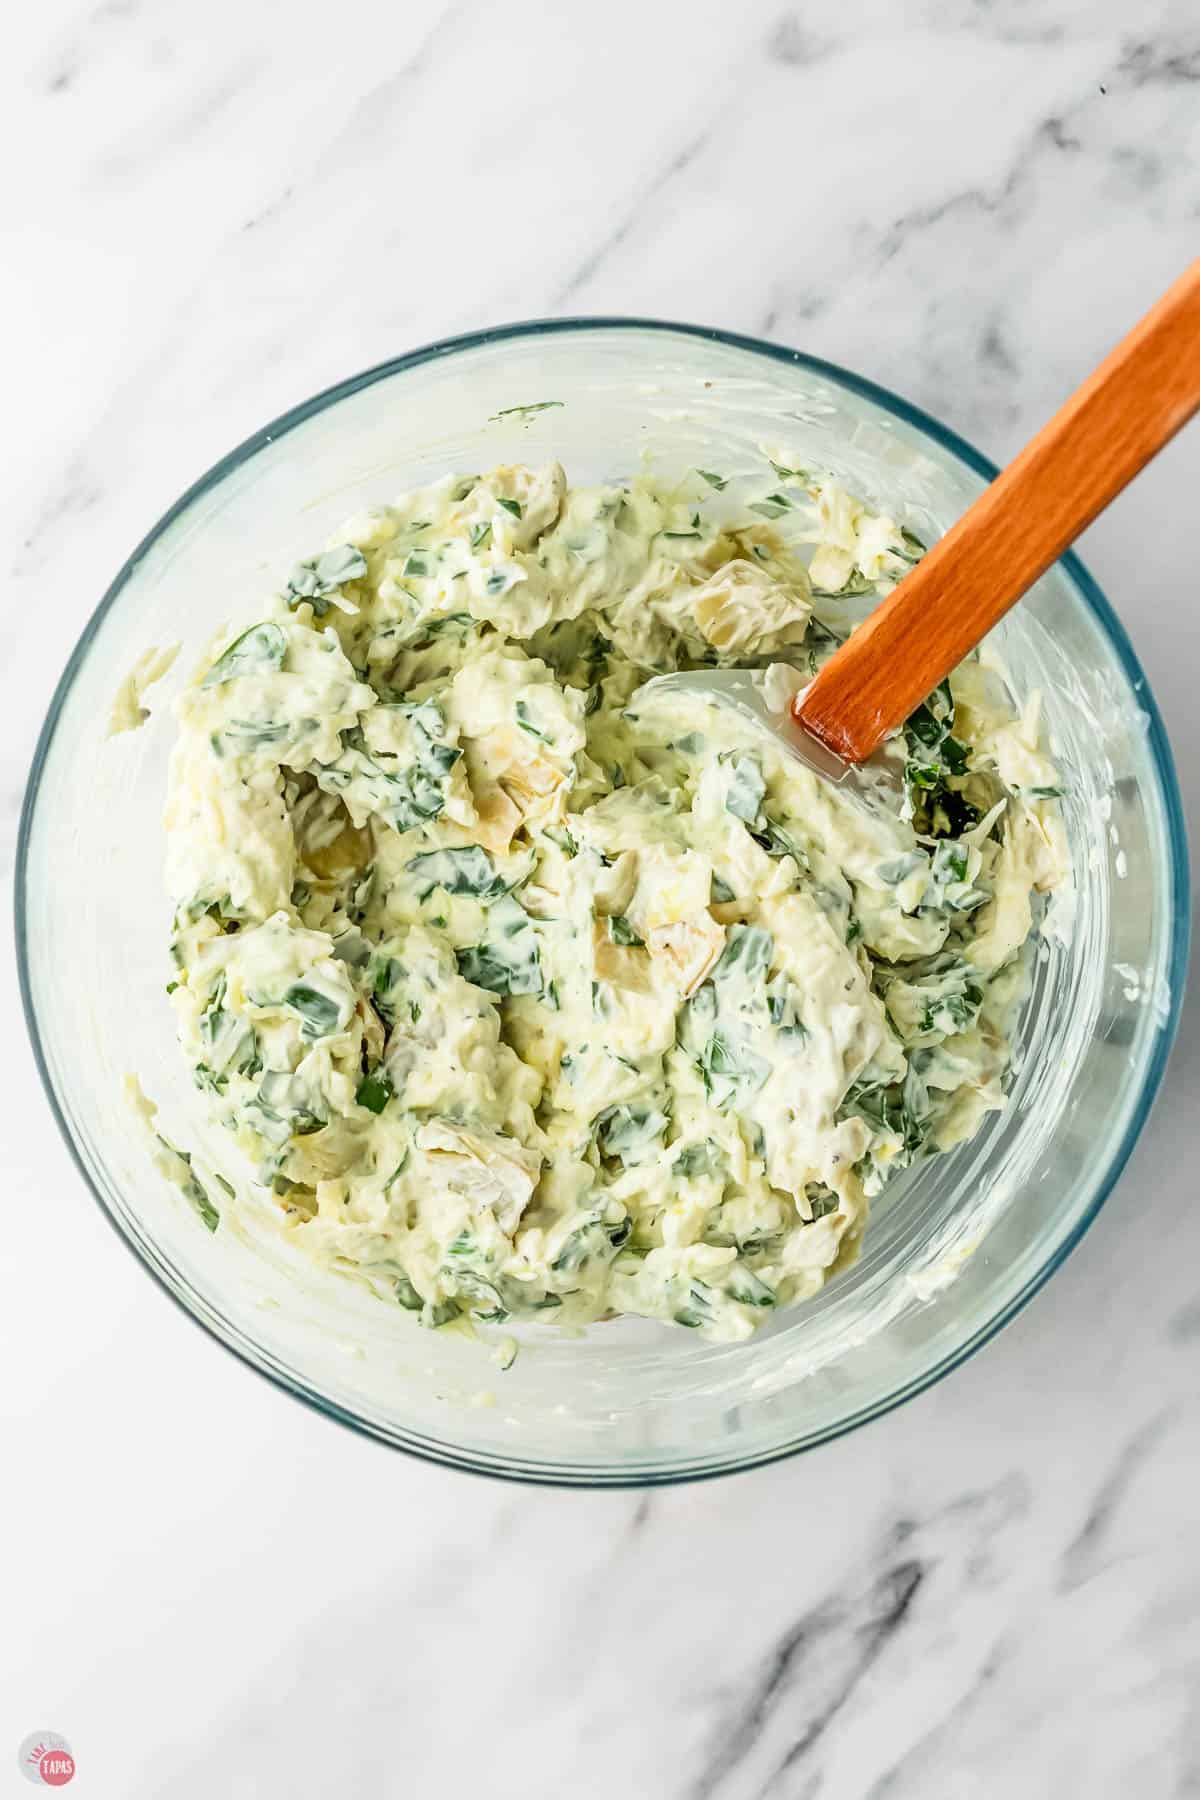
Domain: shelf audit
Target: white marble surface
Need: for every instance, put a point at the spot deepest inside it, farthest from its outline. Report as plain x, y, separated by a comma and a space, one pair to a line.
213, 210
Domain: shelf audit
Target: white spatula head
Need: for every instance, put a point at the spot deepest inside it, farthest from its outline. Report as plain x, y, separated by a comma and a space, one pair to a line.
879, 780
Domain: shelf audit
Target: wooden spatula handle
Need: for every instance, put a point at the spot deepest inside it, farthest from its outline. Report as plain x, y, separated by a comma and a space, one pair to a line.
1138, 398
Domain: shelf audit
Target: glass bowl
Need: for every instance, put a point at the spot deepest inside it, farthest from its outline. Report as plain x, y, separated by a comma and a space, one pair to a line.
956, 1245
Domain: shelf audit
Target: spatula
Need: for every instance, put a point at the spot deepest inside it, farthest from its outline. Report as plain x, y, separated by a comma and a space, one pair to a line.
1109, 429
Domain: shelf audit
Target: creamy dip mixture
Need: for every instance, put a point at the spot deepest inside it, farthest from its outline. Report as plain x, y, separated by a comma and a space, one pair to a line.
529, 999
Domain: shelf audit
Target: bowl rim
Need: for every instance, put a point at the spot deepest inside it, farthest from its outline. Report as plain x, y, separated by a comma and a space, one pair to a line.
540, 1472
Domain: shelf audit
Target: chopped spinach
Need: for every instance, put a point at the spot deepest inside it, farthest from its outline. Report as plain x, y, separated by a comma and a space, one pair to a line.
776, 842
913, 549
525, 721
630, 1132
261, 648
385, 976
246, 734
731, 1071
281, 1108
197, 1198
561, 836
953, 1012
525, 412
744, 1286
465, 870
193, 1190
508, 964
747, 954
575, 1250
856, 583
698, 1159
322, 575
935, 758
784, 1009
407, 1294
821, 1200
351, 947
375, 1090
321, 1014
948, 888
894, 872
746, 787
901, 1108
590, 1238
439, 1313
407, 797
698, 1308
773, 507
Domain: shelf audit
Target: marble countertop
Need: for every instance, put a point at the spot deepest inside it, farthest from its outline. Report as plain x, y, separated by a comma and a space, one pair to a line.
209, 1590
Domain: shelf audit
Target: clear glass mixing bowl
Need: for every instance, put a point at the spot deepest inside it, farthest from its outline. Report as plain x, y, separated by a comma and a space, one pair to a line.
955, 1247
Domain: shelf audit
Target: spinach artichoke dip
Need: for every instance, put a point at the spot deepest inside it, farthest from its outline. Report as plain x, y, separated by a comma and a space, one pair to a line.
525, 999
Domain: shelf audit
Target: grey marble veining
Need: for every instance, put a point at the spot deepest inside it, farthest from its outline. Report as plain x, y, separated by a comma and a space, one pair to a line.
993, 1592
